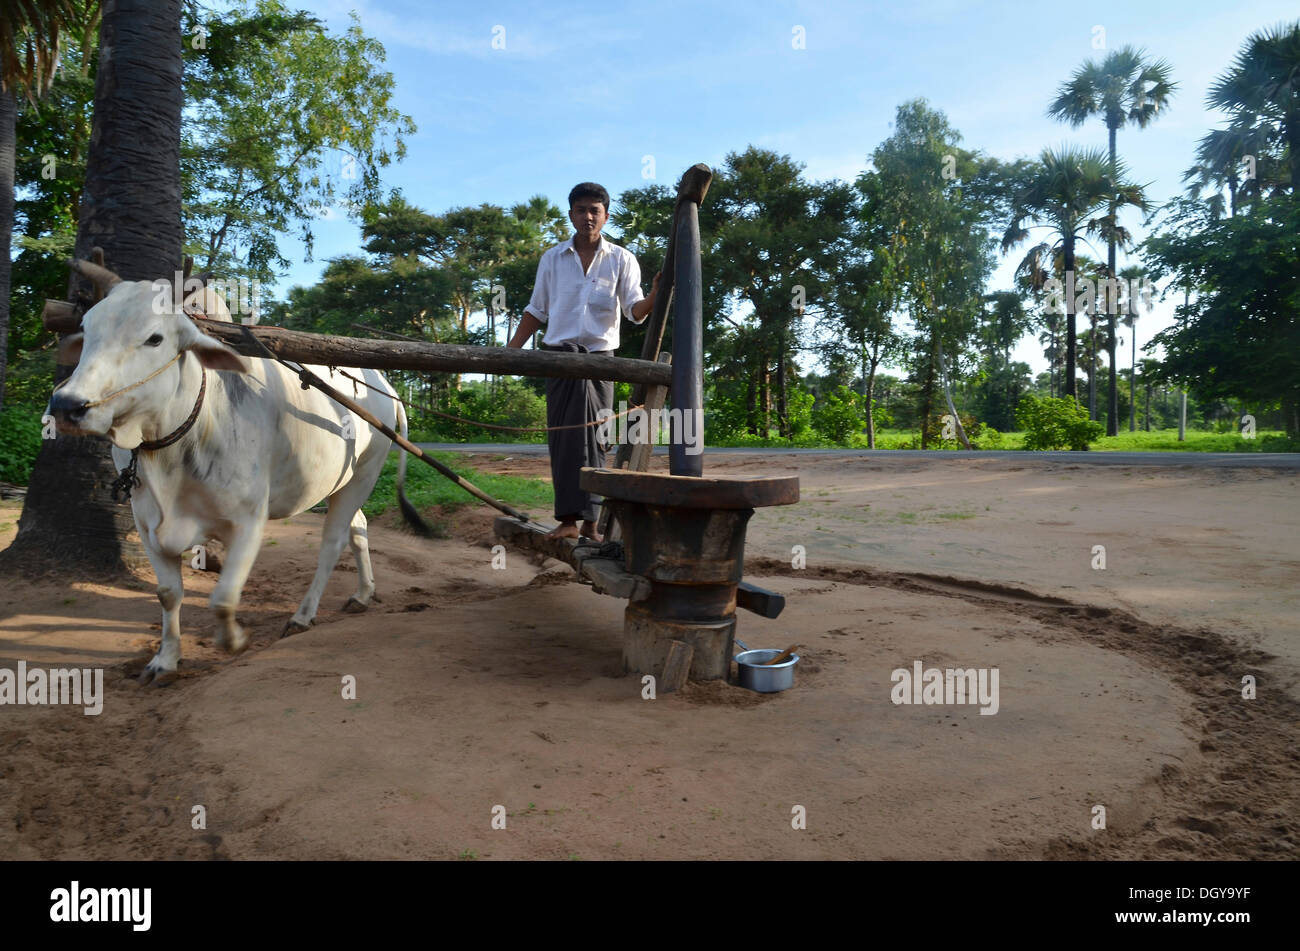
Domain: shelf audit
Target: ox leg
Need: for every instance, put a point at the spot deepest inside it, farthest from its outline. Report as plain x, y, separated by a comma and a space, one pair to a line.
333, 537
360, 542
240, 555
171, 589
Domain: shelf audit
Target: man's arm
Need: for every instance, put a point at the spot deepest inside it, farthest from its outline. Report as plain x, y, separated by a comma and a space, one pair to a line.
539, 304
528, 326
641, 309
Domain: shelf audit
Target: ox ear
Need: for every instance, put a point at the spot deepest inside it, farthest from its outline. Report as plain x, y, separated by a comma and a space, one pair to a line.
211, 353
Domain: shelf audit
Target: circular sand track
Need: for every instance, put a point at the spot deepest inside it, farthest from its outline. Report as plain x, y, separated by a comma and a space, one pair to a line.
478, 688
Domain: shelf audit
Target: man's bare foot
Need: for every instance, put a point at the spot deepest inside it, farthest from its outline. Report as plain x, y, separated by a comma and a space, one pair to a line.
564, 530
589, 531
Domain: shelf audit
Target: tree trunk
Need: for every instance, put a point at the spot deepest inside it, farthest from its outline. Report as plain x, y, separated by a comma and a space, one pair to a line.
927, 397
131, 206
751, 405
1112, 386
8, 119
1132, 381
869, 376
1092, 366
782, 413
947, 392
1071, 338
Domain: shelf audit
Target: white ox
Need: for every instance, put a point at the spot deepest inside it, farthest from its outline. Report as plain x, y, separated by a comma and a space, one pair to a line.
259, 447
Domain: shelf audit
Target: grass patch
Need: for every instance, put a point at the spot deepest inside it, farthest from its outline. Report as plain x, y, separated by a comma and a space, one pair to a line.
1166, 440
426, 487
1163, 440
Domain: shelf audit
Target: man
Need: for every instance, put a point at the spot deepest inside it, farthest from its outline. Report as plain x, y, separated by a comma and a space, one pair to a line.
582, 285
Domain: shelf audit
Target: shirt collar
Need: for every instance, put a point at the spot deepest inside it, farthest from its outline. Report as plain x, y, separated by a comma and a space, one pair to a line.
600, 248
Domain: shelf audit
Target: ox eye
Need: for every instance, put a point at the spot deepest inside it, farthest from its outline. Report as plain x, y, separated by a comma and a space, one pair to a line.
154, 341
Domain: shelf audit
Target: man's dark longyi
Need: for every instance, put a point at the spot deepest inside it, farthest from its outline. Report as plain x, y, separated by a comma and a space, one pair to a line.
571, 449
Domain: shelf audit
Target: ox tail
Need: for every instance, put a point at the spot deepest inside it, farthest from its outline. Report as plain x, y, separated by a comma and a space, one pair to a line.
408, 510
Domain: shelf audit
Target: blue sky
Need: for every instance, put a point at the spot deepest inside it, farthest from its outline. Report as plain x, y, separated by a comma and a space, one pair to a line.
585, 91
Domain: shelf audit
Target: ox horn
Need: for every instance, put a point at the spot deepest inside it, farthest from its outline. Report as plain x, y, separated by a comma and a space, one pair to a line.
103, 278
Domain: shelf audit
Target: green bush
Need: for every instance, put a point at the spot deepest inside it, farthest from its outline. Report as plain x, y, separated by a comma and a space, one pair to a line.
20, 440
839, 416
510, 404
799, 407
1052, 423
882, 417
1278, 442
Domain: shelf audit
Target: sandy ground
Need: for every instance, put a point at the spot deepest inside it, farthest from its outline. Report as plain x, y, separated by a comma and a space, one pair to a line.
483, 692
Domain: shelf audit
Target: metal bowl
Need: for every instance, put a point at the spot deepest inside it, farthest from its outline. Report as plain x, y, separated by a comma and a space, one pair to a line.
752, 676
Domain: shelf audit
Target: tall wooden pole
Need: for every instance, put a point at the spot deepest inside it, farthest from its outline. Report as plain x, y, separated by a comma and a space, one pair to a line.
688, 346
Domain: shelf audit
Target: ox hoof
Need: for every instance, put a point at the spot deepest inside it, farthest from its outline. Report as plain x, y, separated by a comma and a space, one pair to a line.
235, 642
156, 676
293, 627
354, 605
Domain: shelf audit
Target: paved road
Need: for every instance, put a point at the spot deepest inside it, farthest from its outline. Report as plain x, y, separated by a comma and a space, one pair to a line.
1223, 460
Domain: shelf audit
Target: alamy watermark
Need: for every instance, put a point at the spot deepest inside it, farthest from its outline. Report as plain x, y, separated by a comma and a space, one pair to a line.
970, 685
78, 904
1107, 295
641, 427
56, 686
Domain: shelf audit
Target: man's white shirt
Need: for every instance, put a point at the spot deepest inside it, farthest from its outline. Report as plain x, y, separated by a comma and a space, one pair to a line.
584, 308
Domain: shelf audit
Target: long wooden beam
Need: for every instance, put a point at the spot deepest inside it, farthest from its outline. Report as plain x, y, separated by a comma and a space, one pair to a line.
325, 350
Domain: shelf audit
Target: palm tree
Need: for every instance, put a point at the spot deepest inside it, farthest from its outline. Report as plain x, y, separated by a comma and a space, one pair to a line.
1240, 158
1124, 88
1261, 94
1063, 192
133, 209
29, 53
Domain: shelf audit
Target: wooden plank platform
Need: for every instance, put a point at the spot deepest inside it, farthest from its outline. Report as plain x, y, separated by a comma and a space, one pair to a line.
605, 575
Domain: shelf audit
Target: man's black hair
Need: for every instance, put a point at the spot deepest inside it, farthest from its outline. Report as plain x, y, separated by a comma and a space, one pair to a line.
590, 190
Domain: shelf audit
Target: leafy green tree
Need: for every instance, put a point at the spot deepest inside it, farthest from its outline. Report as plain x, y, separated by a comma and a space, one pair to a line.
1239, 339
937, 201
284, 121
53, 133
1124, 88
775, 243
865, 297
30, 34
